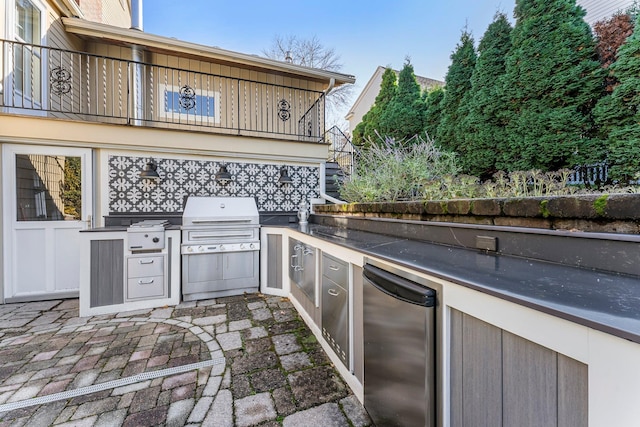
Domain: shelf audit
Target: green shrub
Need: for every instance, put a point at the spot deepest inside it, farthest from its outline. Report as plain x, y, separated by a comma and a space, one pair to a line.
390, 170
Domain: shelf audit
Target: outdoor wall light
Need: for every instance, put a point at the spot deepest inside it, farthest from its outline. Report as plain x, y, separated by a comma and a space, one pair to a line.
284, 177
150, 171
223, 175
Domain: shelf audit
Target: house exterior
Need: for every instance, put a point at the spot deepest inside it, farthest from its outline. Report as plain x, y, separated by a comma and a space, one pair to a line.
598, 10
367, 97
86, 102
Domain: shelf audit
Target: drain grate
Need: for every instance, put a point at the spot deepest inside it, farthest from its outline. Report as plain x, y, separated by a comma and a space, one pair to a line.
109, 384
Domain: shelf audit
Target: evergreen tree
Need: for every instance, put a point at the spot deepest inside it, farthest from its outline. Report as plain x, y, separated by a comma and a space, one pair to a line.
365, 131
458, 83
618, 114
553, 79
482, 129
403, 117
433, 112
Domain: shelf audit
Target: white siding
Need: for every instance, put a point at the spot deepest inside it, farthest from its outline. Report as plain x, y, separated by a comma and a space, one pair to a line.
600, 9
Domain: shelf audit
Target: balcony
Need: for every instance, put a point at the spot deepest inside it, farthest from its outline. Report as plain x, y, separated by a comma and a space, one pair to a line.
56, 83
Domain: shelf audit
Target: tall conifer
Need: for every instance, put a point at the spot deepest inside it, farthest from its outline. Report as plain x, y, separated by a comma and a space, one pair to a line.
365, 131
482, 129
457, 83
404, 115
553, 79
433, 112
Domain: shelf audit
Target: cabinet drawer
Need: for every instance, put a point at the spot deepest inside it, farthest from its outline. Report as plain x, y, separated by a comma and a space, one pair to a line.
145, 266
145, 287
335, 269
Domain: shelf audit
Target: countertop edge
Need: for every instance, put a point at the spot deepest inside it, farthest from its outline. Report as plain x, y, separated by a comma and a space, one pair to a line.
514, 298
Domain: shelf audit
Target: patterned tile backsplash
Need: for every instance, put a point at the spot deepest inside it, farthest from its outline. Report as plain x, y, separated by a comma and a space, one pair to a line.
128, 193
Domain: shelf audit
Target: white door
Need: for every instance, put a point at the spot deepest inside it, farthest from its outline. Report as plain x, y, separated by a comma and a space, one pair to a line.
47, 200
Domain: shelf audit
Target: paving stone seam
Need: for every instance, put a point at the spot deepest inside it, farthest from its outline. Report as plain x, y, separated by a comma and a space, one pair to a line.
209, 341
110, 384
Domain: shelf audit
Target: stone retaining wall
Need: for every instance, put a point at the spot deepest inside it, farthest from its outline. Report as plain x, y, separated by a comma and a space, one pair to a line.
610, 213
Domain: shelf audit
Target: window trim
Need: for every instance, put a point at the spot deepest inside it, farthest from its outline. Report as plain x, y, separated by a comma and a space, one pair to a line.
190, 117
11, 35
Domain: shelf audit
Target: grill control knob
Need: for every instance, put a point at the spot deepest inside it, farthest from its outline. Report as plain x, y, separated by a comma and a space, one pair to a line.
155, 240
221, 247
190, 249
251, 246
200, 248
241, 245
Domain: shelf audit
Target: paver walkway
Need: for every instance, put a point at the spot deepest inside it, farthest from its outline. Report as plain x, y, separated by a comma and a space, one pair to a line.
236, 361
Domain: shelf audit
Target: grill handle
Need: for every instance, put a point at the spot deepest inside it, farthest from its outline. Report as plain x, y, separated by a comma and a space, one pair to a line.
219, 235
217, 221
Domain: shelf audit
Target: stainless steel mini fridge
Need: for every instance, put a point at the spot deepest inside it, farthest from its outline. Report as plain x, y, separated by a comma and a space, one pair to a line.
399, 349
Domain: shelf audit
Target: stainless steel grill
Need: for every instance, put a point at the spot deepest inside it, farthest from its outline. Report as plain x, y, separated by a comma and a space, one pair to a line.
220, 247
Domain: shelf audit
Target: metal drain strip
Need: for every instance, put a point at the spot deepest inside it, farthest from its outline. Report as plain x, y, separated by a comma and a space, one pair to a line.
109, 384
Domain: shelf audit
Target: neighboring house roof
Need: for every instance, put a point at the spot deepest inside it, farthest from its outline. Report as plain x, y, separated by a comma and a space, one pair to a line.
598, 10
130, 37
368, 95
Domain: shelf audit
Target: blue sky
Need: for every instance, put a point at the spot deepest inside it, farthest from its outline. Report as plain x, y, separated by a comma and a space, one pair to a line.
364, 33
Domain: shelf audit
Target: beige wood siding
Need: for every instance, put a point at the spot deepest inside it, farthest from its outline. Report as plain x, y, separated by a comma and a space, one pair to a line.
601, 9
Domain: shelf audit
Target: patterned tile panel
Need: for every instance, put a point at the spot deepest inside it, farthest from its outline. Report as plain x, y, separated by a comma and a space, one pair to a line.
128, 193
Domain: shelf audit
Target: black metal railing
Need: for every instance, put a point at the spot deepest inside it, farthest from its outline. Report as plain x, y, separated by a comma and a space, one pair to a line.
341, 150
78, 85
595, 174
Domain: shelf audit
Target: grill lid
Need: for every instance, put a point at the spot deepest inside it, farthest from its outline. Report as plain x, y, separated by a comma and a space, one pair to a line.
211, 211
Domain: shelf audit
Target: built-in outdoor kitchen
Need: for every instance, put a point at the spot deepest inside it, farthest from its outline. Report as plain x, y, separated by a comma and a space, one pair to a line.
417, 316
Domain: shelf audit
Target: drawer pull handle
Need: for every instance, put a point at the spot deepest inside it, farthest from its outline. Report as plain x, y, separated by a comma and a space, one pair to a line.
334, 268
145, 282
333, 292
142, 261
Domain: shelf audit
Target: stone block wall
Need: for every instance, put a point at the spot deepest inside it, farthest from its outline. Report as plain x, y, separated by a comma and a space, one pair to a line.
609, 213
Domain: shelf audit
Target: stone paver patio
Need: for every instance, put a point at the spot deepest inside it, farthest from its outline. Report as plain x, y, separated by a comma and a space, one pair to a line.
236, 361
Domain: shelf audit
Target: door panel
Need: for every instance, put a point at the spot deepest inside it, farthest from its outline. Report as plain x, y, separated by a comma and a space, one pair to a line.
47, 200
67, 267
29, 254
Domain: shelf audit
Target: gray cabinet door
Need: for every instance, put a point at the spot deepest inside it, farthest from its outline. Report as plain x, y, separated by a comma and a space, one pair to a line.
501, 379
107, 272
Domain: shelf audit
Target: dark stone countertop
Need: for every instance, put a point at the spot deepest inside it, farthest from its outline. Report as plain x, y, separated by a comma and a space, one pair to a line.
603, 301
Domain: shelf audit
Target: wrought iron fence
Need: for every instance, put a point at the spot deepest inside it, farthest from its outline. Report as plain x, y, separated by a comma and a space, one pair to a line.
341, 150
78, 85
589, 174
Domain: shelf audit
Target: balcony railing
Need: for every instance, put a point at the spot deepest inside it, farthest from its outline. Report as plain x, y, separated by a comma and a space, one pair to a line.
76, 85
